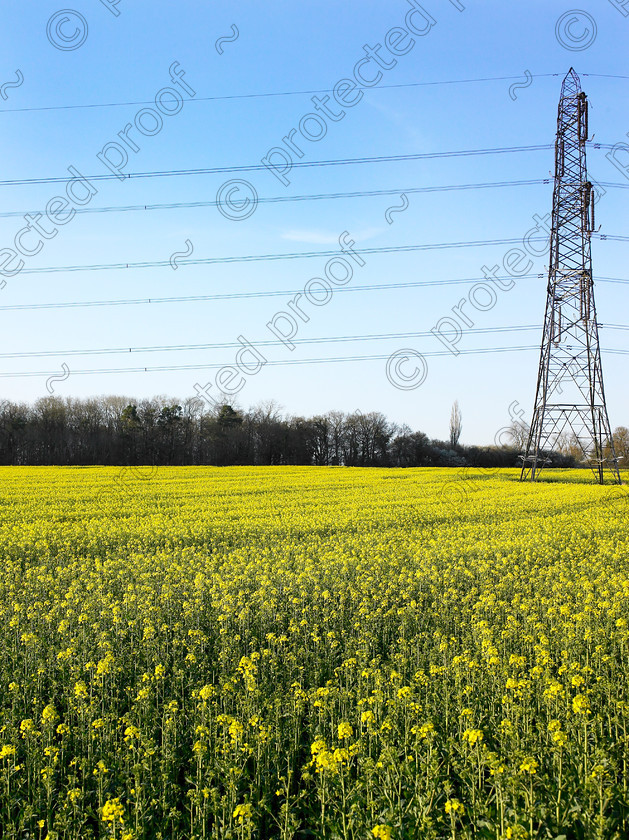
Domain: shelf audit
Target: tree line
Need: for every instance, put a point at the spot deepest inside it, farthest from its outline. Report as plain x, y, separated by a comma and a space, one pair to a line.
113, 430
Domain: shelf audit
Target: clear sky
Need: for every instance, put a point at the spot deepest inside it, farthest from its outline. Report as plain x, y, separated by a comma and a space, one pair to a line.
233, 102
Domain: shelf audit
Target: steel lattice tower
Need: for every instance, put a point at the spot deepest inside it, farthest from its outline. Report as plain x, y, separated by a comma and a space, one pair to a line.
570, 400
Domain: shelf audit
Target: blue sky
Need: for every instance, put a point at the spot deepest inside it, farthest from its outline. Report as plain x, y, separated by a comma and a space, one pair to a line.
293, 49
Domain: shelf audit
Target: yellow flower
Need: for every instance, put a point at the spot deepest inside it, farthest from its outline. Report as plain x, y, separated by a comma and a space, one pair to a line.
112, 811
236, 729
554, 689
49, 715
242, 813
453, 806
130, 733
382, 832
581, 705
424, 730
345, 730
326, 761
598, 772
206, 692
7, 750
341, 755
516, 832
74, 795
80, 690
529, 765
100, 769
473, 736
105, 665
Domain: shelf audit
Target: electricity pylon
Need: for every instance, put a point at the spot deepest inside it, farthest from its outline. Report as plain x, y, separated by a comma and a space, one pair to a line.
570, 399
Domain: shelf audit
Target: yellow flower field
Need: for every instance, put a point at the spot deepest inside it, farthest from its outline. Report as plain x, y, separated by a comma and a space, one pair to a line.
302, 652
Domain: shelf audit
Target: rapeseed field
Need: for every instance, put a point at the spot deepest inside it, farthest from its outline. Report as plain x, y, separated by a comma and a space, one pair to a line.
312, 653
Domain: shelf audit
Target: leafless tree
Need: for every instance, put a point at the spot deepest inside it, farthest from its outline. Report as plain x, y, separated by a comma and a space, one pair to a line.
456, 424
113, 430
336, 421
621, 445
519, 434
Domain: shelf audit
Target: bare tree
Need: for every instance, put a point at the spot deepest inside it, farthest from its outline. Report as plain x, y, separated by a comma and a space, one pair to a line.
456, 423
336, 421
320, 434
621, 445
518, 434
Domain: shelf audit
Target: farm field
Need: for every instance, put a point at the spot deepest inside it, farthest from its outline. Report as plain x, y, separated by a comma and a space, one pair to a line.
304, 652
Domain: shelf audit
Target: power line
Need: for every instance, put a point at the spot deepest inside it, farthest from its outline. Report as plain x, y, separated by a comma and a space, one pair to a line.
165, 348
229, 345
163, 368
316, 197
274, 257
603, 76
268, 94
218, 170
168, 173
393, 249
188, 205
302, 164
273, 293
241, 295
